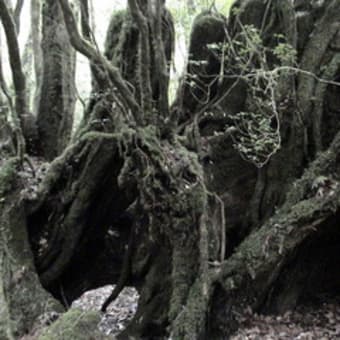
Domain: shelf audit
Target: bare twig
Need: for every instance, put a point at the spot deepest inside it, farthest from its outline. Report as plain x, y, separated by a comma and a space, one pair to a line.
124, 275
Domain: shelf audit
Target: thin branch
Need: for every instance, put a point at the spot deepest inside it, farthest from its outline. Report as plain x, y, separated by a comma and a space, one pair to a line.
124, 275
37, 52
14, 58
89, 35
16, 15
85, 48
87, 27
17, 74
4, 87
85, 19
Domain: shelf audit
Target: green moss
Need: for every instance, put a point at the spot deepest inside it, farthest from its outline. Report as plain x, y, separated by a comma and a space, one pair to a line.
326, 163
208, 22
174, 197
114, 32
191, 322
7, 174
75, 325
22, 298
121, 43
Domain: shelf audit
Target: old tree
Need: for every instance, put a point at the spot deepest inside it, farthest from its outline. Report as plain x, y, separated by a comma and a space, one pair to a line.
227, 198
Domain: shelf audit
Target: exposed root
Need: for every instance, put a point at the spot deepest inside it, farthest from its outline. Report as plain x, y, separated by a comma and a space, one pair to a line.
124, 276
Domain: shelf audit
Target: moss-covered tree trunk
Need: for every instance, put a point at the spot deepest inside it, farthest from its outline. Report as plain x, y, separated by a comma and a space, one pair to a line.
22, 298
57, 92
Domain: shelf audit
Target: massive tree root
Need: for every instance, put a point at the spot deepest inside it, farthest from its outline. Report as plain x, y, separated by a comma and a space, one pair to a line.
173, 231
170, 203
68, 212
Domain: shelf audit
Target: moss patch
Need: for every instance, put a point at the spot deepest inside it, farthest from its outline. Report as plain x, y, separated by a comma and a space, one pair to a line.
7, 173
75, 325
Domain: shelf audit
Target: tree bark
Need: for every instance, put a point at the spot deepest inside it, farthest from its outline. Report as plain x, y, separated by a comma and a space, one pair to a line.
6, 107
37, 52
17, 12
23, 300
20, 113
57, 87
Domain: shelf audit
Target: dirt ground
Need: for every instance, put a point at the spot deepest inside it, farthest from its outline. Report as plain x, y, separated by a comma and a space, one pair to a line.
318, 320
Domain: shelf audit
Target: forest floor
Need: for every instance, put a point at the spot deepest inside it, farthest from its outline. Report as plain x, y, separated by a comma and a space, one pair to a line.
319, 320
315, 321
119, 312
